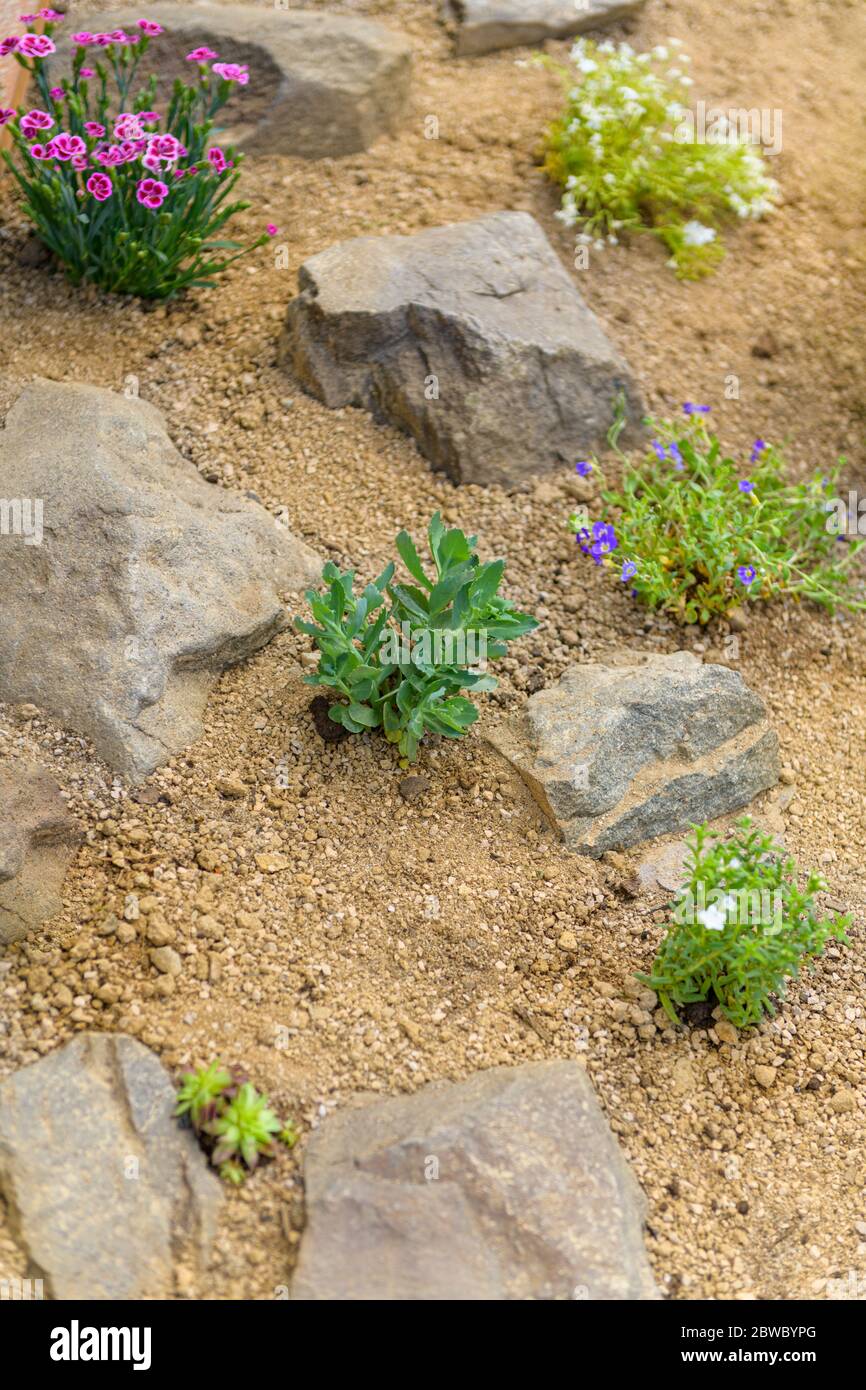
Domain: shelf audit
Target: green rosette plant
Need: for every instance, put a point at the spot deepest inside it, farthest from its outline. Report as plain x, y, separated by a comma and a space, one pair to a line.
234, 1122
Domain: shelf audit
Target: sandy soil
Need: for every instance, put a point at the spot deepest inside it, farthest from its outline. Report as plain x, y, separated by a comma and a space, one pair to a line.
411, 941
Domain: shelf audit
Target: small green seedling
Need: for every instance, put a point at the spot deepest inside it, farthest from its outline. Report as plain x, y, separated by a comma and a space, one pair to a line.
200, 1092
234, 1122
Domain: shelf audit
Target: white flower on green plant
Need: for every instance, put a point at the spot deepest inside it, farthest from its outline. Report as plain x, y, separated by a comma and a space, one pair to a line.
697, 234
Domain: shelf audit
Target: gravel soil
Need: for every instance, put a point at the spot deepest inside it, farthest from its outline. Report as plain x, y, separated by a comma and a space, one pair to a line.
337, 938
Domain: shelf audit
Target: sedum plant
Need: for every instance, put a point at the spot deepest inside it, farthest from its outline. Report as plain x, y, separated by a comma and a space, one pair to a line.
200, 1092
233, 1121
125, 197
244, 1130
741, 927
694, 532
398, 655
626, 152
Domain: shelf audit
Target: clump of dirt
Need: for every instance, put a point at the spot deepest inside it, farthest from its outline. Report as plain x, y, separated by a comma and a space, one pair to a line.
326, 727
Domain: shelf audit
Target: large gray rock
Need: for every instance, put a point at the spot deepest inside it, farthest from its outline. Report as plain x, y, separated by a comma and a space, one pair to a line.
105, 1190
621, 752
38, 839
507, 1186
147, 583
484, 25
470, 337
320, 84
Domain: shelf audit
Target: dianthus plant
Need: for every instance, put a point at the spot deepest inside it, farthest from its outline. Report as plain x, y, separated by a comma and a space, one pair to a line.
632, 158
125, 197
741, 926
695, 532
398, 655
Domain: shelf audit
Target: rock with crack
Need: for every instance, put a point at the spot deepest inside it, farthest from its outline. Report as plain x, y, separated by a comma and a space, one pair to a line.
508, 1186
470, 337
485, 25
320, 84
105, 1191
140, 583
38, 840
620, 752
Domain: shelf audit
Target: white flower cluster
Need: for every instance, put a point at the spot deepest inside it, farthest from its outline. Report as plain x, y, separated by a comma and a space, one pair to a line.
627, 154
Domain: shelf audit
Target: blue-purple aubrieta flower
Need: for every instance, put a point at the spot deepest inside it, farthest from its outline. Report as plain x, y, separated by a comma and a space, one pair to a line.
603, 541
689, 408
746, 574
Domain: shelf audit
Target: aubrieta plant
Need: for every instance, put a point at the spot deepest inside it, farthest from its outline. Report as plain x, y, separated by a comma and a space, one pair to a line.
628, 155
125, 197
398, 655
741, 927
233, 1121
696, 533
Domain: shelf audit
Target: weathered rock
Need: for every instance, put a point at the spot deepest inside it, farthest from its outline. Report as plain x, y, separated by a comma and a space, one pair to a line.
148, 581
507, 1186
484, 25
620, 753
470, 337
664, 867
104, 1188
320, 84
38, 839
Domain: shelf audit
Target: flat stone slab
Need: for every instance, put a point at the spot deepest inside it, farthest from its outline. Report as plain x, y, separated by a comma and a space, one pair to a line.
145, 582
105, 1190
620, 752
470, 337
484, 25
38, 840
508, 1186
320, 84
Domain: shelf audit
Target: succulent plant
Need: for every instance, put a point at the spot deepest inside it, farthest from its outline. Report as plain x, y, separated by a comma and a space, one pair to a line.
199, 1093
244, 1128
234, 1122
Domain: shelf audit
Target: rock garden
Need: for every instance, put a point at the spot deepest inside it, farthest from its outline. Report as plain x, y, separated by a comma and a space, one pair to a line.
432, 674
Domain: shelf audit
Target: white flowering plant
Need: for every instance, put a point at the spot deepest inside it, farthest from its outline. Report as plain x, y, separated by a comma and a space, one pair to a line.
627, 152
741, 927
